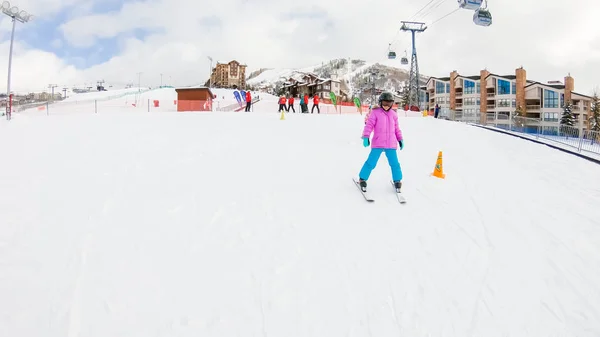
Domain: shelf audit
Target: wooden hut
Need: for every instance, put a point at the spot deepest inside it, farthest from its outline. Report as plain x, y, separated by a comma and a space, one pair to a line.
194, 99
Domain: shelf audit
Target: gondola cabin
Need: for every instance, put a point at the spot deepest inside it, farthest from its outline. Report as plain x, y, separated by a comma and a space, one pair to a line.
470, 4
482, 17
404, 59
392, 55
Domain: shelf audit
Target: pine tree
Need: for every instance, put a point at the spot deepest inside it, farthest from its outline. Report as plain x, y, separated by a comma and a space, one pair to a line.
567, 118
595, 111
518, 115
405, 93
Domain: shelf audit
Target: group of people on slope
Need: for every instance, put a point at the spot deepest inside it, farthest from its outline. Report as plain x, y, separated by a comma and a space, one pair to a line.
303, 104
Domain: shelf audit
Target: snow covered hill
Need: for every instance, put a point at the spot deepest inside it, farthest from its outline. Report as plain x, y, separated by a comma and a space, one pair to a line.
241, 224
355, 73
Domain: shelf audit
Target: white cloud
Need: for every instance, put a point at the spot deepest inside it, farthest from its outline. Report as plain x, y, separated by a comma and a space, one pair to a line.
548, 38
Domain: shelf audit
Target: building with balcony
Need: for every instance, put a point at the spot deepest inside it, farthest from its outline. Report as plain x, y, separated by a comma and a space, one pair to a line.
228, 75
301, 84
490, 98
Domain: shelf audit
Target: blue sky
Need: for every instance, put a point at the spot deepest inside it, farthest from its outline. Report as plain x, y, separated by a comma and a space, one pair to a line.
44, 34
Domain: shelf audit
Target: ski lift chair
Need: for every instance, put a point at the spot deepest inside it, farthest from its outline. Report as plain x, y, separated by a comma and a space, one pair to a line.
482, 17
392, 55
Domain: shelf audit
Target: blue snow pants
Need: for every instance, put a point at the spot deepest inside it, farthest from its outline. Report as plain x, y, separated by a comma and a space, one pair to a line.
392, 157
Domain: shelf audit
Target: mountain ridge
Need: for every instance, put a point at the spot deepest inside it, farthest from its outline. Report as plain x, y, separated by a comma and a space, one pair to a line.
355, 74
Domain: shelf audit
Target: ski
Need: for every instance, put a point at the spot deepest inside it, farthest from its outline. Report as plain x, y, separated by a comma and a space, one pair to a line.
401, 198
367, 198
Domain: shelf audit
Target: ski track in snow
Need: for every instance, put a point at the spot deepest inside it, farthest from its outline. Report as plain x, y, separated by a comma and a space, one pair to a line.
233, 224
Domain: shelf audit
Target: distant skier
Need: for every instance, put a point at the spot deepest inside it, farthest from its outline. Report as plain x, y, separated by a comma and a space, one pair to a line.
315, 104
248, 100
291, 104
383, 121
282, 101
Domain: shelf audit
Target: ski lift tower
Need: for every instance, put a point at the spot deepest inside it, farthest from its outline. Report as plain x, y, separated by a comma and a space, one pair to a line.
414, 82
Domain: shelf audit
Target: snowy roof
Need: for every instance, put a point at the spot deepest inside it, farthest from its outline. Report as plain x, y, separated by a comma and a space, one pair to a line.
474, 77
581, 95
553, 86
441, 79
328, 80
508, 77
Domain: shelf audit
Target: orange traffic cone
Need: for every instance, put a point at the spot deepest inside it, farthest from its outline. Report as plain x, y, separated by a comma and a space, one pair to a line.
438, 170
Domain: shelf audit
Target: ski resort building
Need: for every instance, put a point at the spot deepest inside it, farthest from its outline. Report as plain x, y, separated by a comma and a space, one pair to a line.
311, 84
492, 98
228, 75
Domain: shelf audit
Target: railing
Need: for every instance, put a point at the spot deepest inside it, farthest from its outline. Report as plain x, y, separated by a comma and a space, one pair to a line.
491, 95
491, 106
573, 137
533, 107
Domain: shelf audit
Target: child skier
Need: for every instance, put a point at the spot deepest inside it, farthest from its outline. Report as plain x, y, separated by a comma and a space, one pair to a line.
383, 121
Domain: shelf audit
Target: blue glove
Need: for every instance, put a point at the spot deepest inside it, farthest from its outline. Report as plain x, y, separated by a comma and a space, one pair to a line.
401, 142
366, 141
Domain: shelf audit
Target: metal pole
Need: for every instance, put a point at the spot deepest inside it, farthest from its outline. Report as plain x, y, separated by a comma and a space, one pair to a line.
210, 72
12, 39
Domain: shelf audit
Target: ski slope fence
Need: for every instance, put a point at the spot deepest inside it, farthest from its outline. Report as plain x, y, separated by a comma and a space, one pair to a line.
575, 139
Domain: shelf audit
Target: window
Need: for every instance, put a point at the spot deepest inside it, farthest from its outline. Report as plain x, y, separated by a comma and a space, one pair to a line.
562, 100
551, 116
469, 87
447, 88
479, 87
503, 87
440, 87
503, 102
550, 99
514, 88
470, 101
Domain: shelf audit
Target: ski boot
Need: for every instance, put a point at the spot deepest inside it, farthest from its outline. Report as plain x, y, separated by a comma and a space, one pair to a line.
398, 185
363, 184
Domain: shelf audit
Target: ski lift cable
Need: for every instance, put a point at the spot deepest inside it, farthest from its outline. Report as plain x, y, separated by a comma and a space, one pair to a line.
413, 16
433, 8
432, 4
445, 16
420, 10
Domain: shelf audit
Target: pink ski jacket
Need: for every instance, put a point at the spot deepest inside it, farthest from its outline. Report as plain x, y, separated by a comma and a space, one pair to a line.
384, 124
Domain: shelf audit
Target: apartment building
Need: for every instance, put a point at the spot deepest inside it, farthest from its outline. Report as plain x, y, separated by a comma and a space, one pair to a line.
465, 98
228, 75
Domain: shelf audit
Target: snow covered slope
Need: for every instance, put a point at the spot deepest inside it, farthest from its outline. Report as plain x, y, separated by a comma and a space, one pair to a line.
240, 224
102, 102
